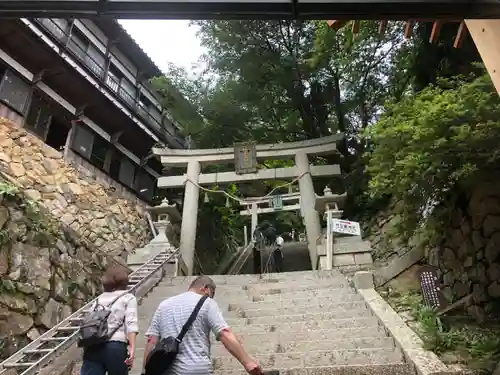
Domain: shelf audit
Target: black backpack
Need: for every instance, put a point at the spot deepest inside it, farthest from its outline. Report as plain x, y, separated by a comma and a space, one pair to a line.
163, 355
94, 326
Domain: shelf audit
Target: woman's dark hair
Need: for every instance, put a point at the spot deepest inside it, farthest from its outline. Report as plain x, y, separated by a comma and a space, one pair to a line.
115, 278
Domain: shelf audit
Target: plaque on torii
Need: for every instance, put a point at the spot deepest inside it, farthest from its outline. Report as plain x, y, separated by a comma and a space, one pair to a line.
245, 157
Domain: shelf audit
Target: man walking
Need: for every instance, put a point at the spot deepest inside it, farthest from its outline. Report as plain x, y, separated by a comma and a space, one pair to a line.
194, 350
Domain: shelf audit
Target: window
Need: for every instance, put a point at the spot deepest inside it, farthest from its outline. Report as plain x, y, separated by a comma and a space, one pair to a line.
127, 172
38, 118
90, 146
14, 91
145, 184
114, 166
113, 78
95, 61
79, 45
127, 91
99, 151
56, 26
82, 141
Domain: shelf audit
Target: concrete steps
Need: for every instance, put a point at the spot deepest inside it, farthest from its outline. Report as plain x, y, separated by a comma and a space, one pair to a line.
345, 333
303, 323
316, 358
294, 302
373, 369
251, 312
284, 346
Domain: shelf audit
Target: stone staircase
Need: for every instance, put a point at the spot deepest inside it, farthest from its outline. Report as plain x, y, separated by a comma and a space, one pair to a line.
310, 322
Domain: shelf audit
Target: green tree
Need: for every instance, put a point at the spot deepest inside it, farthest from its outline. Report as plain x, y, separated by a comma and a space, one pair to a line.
430, 147
278, 81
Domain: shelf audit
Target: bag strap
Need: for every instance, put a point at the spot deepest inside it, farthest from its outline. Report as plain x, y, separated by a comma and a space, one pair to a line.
124, 317
117, 298
111, 303
191, 319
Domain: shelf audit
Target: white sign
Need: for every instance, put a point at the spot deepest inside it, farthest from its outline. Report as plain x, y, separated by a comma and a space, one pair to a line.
346, 227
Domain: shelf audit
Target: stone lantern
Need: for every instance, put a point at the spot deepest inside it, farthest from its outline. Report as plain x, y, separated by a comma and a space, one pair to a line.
164, 215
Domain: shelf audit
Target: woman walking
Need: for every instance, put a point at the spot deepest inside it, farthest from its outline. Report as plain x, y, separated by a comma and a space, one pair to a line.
115, 356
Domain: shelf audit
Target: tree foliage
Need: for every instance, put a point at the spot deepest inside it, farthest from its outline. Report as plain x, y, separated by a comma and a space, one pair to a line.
280, 81
434, 143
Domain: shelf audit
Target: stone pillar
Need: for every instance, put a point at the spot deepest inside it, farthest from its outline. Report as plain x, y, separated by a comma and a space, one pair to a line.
307, 203
486, 36
190, 216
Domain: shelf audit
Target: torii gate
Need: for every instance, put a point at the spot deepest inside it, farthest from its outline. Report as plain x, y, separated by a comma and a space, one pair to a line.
193, 178
253, 209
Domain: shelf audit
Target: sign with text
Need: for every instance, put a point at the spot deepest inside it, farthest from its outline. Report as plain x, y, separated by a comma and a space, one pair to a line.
346, 227
245, 157
276, 202
429, 285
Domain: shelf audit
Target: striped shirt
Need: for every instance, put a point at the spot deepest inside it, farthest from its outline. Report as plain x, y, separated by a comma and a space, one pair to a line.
123, 313
194, 351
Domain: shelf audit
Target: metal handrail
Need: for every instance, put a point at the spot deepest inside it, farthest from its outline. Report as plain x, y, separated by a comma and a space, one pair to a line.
241, 260
22, 359
268, 263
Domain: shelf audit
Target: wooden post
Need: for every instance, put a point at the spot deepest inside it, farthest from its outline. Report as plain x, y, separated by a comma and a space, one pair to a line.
486, 36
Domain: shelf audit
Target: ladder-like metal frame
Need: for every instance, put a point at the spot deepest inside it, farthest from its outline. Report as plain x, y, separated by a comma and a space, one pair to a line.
40, 352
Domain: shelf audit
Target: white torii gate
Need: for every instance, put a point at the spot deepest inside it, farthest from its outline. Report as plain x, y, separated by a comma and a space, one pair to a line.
253, 209
193, 178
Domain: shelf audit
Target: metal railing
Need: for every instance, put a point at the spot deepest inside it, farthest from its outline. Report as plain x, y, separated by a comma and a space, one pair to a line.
241, 259
114, 85
40, 352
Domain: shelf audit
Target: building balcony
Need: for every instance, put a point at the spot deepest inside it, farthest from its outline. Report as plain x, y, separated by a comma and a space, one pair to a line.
98, 66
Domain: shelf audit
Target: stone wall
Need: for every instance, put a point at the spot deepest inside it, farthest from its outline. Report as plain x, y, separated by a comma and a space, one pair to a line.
111, 223
468, 258
46, 271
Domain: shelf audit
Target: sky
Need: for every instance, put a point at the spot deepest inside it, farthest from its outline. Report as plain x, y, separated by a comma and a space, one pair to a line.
166, 41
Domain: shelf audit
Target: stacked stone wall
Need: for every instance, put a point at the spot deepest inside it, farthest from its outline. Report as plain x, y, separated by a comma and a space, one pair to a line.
467, 258
46, 271
111, 223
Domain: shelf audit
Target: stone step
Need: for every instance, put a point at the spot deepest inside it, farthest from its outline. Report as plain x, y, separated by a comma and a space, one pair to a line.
317, 358
372, 369
218, 350
293, 284
271, 294
321, 293
168, 291
324, 315
245, 284
298, 301
279, 326
298, 289
270, 346
313, 315
266, 322
246, 279
296, 309
254, 339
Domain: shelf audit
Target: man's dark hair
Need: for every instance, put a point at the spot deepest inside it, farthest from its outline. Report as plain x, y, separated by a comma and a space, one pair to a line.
115, 278
202, 282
